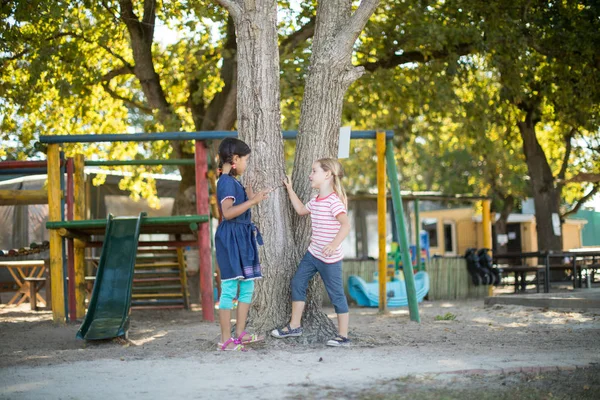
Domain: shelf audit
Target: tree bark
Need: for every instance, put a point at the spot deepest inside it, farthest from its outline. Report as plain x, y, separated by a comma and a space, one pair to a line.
259, 125
502, 225
546, 197
220, 113
330, 74
141, 34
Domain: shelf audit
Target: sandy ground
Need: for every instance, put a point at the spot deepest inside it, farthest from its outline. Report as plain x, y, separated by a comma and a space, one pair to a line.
172, 354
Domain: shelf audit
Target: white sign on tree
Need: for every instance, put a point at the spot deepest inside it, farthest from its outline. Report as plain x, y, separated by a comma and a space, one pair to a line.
344, 145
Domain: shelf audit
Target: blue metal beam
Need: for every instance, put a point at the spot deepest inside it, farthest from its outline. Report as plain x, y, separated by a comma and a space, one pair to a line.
202, 135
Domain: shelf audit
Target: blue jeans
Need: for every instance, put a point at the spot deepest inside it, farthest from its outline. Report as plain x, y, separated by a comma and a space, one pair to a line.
331, 275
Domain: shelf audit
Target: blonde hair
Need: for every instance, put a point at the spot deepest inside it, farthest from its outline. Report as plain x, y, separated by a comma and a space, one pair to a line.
332, 165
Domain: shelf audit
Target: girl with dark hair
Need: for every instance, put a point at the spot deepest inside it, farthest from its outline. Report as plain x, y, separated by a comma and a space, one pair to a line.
236, 242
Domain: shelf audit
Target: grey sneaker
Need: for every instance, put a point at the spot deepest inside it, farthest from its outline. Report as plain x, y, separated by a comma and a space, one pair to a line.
290, 332
339, 341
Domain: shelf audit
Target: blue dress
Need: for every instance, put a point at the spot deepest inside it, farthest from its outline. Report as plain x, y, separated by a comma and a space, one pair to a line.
236, 239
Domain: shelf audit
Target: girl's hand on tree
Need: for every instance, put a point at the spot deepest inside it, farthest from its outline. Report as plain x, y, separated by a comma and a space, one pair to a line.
249, 192
287, 182
328, 250
260, 196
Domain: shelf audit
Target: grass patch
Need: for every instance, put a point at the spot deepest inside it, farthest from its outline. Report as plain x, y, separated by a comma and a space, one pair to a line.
446, 317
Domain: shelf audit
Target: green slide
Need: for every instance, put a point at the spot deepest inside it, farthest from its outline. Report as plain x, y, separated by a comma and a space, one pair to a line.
108, 312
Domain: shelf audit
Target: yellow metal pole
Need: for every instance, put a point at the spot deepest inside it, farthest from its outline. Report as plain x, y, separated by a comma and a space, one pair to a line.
22, 197
79, 253
381, 220
487, 224
56, 241
183, 278
486, 221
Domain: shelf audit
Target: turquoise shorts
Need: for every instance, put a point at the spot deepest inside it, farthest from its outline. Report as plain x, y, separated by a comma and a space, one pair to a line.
229, 290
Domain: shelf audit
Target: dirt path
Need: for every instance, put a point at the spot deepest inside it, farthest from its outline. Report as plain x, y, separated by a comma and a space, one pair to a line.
172, 354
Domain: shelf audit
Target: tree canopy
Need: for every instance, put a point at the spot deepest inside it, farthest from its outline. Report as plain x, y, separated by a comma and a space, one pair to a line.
452, 78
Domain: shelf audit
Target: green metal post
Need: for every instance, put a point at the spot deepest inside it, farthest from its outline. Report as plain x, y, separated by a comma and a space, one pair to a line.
100, 223
409, 278
418, 231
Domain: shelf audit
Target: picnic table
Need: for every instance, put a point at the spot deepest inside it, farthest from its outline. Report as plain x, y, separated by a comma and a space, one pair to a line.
521, 272
29, 277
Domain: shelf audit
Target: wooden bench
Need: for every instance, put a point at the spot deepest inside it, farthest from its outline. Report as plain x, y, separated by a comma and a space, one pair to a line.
521, 272
35, 284
576, 269
22, 271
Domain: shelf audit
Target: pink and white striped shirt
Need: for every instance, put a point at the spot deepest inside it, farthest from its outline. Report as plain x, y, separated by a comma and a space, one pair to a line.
325, 226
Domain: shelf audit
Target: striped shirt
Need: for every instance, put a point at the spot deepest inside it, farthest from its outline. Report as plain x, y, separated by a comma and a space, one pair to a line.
325, 226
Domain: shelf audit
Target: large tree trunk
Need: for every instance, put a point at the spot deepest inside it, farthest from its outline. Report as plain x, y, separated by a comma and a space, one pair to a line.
546, 197
330, 74
501, 228
501, 225
141, 35
219, 115
258, 116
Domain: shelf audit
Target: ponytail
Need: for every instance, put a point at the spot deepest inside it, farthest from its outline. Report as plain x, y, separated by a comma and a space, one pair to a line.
332, 165
338, 188
227, 149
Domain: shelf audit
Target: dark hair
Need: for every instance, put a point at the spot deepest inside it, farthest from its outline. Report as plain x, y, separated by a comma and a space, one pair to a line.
230, 147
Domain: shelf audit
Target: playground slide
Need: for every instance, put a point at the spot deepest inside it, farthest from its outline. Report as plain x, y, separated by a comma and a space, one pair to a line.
108, 312
367, 294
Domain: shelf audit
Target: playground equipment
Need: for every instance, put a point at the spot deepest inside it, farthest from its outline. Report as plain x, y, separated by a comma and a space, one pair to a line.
367, 294
76, 231
384, 153
395, 256
79, 231
160, 279
108, 311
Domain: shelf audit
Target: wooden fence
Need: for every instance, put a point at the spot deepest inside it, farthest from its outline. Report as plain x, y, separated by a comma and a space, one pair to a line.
448, 277
450, 280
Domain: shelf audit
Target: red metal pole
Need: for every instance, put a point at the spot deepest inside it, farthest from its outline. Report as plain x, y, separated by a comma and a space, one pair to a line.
204, 252
23, 164
70, 243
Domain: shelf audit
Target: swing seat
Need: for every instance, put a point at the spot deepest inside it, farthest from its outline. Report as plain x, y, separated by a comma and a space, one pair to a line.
367, 294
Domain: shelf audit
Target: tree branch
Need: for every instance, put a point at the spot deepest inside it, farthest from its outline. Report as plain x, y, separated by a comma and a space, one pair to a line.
16, 56
111, 10
361, 16
78, 36
233, 7
130, 102
568, 149
348, 35
288, 44
137, 31
587, 177
125, 70
582, 201
220, 113
82, 37
418, 57
148, 20
127, 14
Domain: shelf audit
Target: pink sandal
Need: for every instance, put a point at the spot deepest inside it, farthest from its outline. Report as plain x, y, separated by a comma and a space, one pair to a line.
238, 345
253, 338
